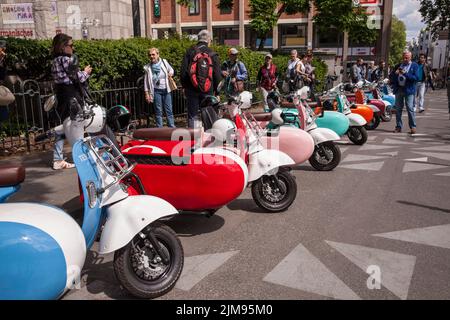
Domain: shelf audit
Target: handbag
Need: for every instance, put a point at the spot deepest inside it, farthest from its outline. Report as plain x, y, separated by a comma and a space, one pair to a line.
172, 84
6, 96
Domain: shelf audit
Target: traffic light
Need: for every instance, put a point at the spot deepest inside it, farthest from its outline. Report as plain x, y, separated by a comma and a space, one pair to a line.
156, 8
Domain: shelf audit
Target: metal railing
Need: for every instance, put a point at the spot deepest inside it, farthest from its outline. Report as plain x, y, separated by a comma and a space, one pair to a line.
25, 118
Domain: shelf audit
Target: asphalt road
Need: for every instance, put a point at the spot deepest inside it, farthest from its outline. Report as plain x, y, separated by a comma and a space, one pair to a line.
377, 227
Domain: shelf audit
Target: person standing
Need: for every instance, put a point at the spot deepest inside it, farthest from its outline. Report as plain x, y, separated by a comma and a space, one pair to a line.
356, 73
198, 64
68, 80
380, 72
267, 78
292, 75
403, 79
370, 71
309, 70
157, 88
423, 75
234, 73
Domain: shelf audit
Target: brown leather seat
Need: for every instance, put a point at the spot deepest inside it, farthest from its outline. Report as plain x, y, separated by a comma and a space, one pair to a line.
162, 134
262, 116
11, 175
289, 105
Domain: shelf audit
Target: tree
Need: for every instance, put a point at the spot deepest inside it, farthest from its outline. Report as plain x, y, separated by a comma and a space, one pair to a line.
436, 14
342, 14
398, 41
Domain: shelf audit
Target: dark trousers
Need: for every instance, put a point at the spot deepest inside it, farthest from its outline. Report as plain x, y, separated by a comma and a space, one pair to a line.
193, 100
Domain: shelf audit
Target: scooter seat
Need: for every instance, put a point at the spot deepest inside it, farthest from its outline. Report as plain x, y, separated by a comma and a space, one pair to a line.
161, 134
11, 175
262, 116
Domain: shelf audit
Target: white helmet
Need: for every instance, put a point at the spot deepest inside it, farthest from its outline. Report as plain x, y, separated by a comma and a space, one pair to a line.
245, 98
303, 93
222, 129
277, 119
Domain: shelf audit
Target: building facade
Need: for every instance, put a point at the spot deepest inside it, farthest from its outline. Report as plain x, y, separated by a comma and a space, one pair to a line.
115, 19
82, 19
232, 26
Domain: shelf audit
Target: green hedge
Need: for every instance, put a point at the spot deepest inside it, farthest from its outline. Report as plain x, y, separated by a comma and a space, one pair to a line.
123, 60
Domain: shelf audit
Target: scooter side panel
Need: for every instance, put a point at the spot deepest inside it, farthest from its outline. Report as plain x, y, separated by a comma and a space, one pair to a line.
296, 143
32, 263
208, 179
363, 111
128, 217
57, 224
335, 121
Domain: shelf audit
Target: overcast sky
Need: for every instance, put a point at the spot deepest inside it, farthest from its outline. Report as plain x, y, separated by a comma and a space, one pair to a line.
408, 12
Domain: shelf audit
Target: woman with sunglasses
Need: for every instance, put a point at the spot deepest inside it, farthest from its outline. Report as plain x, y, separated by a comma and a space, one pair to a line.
68, 80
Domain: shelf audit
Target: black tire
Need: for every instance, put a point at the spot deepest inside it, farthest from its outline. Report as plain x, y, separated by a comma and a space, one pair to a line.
280, 201
387, 115
374, 123
357, 135
326, 156
125, 270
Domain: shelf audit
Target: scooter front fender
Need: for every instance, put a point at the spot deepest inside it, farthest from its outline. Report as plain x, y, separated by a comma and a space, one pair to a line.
321, 135
266, 162
128, 217
356, 120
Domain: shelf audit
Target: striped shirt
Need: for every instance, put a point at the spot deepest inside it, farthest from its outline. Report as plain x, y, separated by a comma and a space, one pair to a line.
60, 66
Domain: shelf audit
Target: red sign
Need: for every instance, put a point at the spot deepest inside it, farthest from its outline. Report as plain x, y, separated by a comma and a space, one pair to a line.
369, 3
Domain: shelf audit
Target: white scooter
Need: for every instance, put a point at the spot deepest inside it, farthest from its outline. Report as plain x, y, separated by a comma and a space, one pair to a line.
43, 250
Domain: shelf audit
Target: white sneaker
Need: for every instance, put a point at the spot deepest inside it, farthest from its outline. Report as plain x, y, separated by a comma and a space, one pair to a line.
62, 164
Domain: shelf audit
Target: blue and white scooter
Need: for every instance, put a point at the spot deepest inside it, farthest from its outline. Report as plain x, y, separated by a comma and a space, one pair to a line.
43, 250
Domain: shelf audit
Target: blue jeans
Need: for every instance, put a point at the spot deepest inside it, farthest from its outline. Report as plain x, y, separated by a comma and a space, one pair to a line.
401, 98
162, 98
58, 149
419, 97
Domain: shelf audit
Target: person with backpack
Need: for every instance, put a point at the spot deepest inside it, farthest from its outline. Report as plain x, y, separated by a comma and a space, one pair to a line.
403, 79
157, 88
234, 73
267, 78
200, 75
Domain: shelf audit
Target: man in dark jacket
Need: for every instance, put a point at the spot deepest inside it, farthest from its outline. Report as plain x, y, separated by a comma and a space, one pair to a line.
192, 93
403, 79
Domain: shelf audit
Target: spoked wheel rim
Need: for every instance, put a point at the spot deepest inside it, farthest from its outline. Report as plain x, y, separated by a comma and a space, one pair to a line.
146, 264
355, 133
273, 192
323, 155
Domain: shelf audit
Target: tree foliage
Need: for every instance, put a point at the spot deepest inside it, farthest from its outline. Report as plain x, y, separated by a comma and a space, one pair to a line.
436, 14
398, 41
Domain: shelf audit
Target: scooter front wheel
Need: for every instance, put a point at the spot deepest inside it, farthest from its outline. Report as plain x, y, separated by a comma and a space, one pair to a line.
374, 123
275, 193
357, 135
140, 268
326, 156
387, 115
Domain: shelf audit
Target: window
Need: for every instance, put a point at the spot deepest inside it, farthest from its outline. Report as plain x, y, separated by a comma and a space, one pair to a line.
292, 35
225, 10
194, 7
